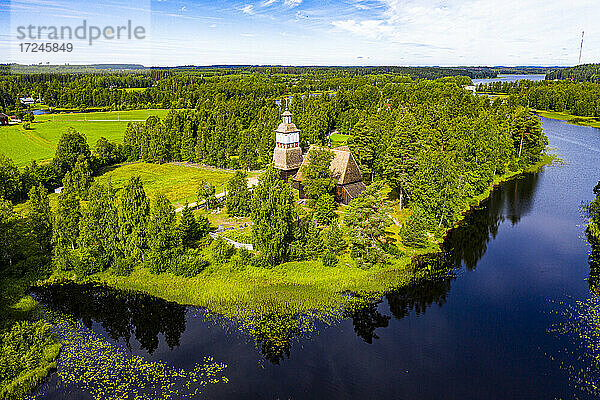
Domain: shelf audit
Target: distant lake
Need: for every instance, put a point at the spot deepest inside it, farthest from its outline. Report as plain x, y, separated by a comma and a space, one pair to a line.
510, 78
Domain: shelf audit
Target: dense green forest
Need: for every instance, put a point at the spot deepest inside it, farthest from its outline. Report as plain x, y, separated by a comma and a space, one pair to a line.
435, 145
185, 88
579, 73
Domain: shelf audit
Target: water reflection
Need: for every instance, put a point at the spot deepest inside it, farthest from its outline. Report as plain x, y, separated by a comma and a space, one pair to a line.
121, 314
419, 295
468, 243
366, 319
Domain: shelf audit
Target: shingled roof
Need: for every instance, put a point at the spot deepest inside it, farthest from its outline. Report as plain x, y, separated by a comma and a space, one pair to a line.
344, 168
287, 128
287, 159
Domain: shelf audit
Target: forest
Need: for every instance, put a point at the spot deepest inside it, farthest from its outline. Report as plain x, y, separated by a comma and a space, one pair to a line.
579, 73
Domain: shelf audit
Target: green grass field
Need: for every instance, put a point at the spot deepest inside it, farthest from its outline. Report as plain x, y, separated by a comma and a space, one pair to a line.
338, 139
40, 142
178, 182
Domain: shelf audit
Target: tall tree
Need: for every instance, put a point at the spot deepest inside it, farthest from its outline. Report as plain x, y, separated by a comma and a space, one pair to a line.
71, 145
10, 179
206, 195
367, 217
39, 220
80, 178
65, 228
134, 209
191, 228
317, 174
162, 234
98, 229
8, 219
238, 195
272, 212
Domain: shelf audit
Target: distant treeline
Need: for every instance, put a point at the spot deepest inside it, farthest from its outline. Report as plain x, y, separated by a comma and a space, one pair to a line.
579, 73
580, 99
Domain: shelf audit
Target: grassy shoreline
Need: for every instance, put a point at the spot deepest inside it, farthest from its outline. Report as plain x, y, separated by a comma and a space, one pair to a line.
571, 119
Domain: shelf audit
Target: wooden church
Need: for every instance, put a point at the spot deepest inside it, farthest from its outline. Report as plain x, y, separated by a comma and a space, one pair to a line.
288, 159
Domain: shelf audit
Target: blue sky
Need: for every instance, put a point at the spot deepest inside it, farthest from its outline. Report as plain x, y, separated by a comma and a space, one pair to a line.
308, 32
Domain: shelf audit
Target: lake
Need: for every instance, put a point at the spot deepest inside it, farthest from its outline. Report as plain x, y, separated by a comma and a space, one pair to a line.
480, 328
510, 78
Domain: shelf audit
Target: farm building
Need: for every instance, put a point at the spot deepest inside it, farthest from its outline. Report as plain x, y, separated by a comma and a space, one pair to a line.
3, 119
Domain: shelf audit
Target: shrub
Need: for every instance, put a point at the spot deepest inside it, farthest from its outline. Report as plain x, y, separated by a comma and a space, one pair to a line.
329, 260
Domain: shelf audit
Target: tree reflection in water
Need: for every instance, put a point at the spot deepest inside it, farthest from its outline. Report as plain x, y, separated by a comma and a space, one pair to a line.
467, 244
121, 314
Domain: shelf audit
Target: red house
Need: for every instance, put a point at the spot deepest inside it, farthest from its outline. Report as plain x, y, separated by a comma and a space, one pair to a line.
3, 119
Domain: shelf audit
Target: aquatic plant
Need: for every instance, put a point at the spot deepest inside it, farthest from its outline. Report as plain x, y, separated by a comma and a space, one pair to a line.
107, 371
582, 325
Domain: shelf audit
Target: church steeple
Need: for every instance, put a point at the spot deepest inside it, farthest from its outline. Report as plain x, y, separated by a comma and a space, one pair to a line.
287, 156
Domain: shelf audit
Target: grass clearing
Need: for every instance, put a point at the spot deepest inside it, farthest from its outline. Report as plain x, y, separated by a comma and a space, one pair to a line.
178, 182
39, 143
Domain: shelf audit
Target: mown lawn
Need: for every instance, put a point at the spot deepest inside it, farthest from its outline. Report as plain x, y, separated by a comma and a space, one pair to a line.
40, 142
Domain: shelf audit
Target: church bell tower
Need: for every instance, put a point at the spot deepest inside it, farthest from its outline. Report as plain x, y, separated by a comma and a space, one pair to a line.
287, 156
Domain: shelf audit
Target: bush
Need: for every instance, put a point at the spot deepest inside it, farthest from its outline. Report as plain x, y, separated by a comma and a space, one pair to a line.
189, 264
329, 260
414, 230
27, 355
220, 251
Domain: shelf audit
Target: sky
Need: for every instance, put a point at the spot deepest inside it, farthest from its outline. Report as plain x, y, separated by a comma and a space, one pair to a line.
309, 32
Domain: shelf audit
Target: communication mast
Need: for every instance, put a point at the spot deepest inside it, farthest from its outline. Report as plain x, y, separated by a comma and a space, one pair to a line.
581, 47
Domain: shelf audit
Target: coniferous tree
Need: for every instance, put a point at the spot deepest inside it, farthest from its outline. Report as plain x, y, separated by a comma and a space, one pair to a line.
325, 209
367, 218
191, 228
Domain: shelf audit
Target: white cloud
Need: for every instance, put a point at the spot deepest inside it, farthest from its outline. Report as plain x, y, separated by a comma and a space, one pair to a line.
483, 31
267, 3
248, 9
292, 3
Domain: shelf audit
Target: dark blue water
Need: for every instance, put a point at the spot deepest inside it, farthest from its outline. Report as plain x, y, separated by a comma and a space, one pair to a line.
480, 332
